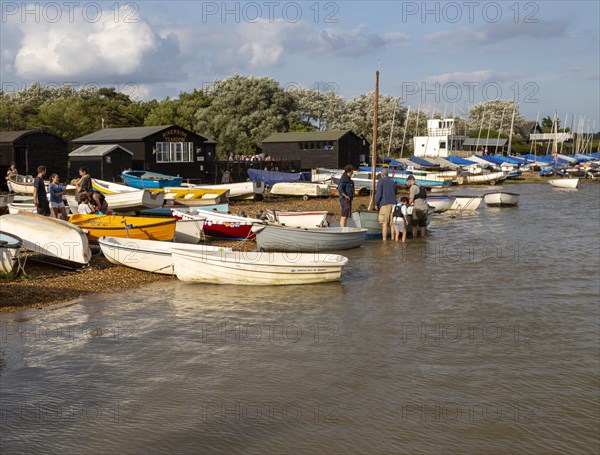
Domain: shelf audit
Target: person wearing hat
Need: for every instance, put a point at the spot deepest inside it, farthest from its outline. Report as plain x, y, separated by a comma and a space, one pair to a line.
385, 200
418, 199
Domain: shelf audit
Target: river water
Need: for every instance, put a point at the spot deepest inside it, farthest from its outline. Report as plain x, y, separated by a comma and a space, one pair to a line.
482, 338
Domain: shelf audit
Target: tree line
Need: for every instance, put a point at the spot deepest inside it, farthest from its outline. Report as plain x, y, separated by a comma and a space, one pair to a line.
240, 111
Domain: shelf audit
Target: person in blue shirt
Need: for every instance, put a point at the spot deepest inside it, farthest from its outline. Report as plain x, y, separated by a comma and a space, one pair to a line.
385, 200
346, 194
56, 197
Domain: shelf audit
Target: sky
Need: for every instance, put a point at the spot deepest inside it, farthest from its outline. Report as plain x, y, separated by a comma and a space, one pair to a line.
448, 56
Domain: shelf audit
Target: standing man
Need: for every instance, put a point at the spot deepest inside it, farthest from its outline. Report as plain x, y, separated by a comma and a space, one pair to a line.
385, 200
40, 199
346, 194
418, 198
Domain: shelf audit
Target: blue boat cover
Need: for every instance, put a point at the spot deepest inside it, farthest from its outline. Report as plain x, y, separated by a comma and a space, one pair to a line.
422, 162
595, 155
493, 159
393, 162
582, 158
460, 161
272, 177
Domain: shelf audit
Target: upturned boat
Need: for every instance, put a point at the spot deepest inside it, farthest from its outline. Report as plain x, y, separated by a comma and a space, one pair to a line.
257, 268
466, 202
6, 199
10, 252
147, 255
440, 203
501, 199
134, 227
303, 189
145, 179
283, 238
49, 236
564, 183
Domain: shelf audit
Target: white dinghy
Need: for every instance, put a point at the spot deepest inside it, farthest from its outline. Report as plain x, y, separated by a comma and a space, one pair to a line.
257, 268
501, 199
49, 236
564, 183
147, 255
10, 251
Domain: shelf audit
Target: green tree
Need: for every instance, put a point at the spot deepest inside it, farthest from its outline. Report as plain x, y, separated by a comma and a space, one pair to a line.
244, 110
495, 115
180, 111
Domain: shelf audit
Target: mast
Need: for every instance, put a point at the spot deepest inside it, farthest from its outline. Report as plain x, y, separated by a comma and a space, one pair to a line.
404, 135
392, 129
375, 126
555, 141
512, 124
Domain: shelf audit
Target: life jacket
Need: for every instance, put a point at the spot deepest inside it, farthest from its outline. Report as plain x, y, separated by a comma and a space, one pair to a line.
398, 211
422, 194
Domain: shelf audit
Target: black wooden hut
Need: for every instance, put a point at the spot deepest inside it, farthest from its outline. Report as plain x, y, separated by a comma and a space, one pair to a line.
32, 148
327, 149
103, 161
166, 149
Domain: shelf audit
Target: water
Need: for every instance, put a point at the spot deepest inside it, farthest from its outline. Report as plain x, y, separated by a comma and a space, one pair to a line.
481, 339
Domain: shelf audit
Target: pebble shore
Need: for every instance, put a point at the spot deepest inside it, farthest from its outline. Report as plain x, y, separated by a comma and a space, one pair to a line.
46, 284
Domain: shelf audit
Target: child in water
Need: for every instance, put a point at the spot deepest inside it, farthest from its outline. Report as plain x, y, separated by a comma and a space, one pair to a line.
400, 219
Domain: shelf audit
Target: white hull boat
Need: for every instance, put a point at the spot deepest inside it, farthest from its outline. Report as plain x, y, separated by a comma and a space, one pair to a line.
466, 203
240, 190
440, 204
257, 268
6, 199
369, 220
303, 189
189, 231
111, 188
10, 251
49, 236
17, 207
564, 183
491, 177
300, 219
22, 184
132, 201
501, 199
284, 238
147, 255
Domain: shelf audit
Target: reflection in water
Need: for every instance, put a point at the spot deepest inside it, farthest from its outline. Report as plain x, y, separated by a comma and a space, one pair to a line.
482, 335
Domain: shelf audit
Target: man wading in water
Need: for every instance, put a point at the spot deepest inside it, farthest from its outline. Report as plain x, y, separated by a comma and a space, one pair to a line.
346, 194
418, 198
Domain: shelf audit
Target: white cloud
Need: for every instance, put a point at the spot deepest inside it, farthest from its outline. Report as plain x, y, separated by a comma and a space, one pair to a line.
470, 77
85, 50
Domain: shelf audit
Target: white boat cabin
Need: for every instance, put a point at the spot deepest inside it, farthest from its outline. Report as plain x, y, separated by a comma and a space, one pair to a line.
440, 141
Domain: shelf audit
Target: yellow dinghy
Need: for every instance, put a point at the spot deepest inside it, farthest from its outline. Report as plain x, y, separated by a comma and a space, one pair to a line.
133, 227
192, 196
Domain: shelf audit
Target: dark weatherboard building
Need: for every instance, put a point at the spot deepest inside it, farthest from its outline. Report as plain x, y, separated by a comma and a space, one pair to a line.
105, 161
326, 149
166, 149
32, 148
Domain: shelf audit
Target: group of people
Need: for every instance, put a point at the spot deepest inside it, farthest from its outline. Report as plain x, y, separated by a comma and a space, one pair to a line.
89, 201
393, 213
